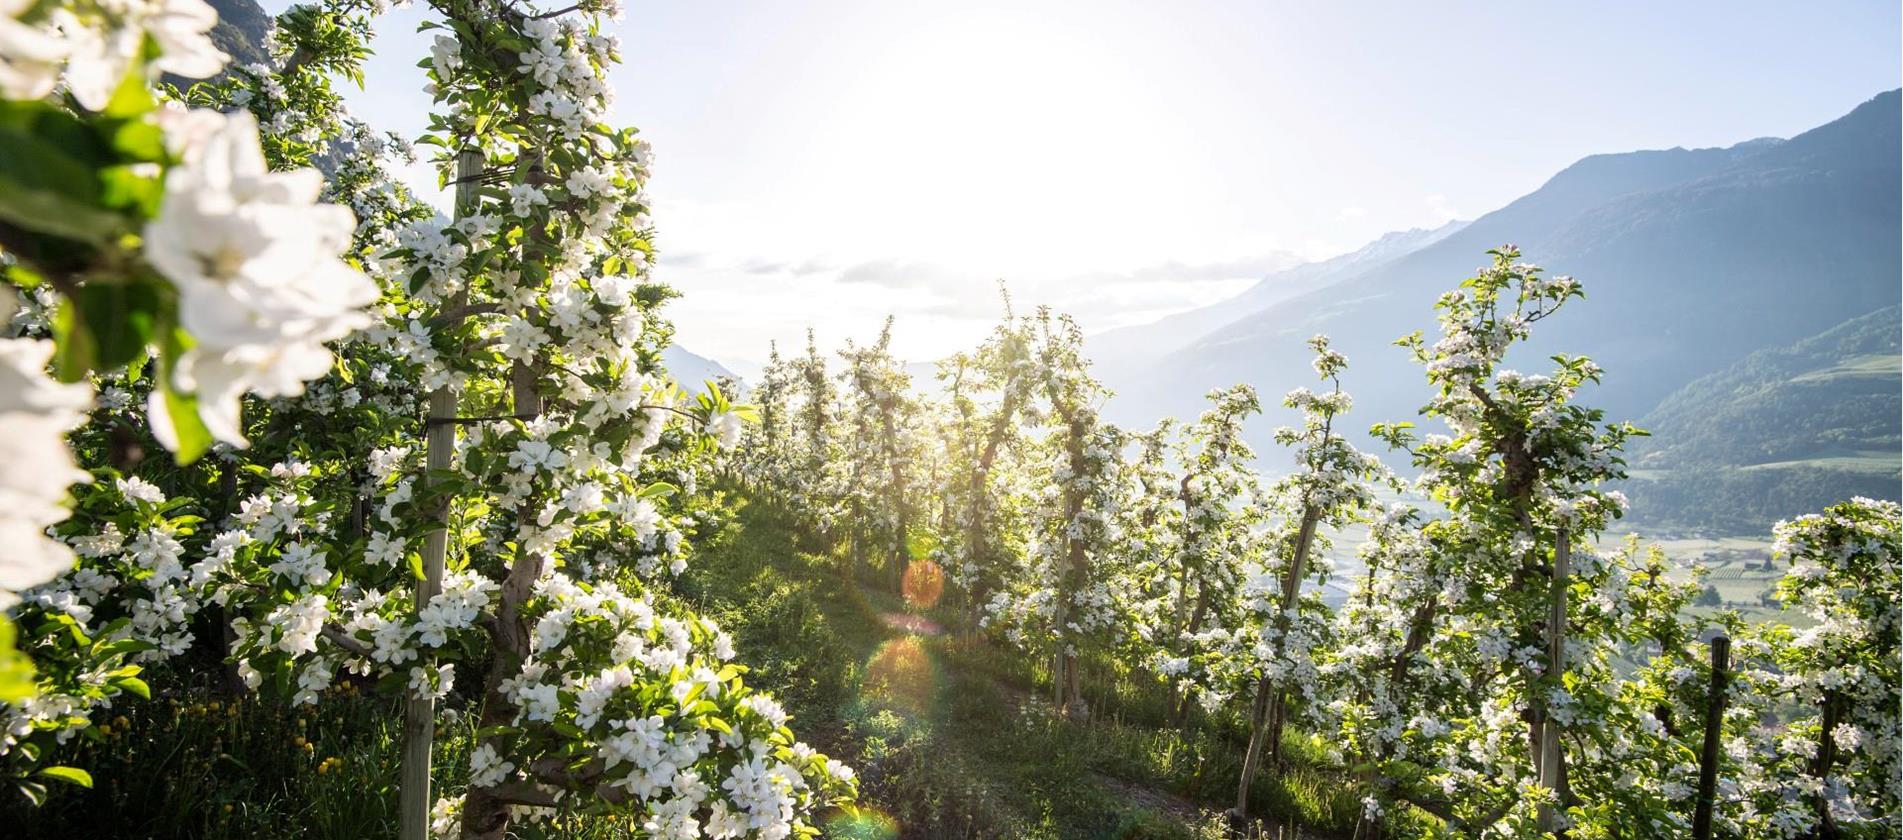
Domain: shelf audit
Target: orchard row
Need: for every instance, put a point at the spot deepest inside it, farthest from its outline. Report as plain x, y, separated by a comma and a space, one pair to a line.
1496, 669
318, 433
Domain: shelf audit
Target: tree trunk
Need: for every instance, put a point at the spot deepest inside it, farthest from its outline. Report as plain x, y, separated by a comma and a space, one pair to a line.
485, 811
901, 507
1181, 714
1714, 732
977, 533
1252, 757
1070, 577
419, 713
1827, 828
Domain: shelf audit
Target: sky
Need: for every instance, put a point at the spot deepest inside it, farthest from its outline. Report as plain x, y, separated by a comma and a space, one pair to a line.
826, 163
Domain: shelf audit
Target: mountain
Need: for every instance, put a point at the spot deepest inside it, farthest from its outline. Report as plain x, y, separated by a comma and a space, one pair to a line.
242, 29
1691, 259
1124, 349
1784, 431
693, 370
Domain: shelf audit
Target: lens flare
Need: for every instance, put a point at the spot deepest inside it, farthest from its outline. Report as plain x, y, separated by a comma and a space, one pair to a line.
861, 824
901, 673
923, 584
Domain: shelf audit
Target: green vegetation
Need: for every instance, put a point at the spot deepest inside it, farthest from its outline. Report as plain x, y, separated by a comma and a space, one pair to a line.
1782, 432
944, 730
948, 731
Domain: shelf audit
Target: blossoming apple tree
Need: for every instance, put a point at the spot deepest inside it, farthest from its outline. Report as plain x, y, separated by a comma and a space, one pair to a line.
1535, 735
990, 401
1812, 740
1192, 604
1332, 486
882, 453
529, 540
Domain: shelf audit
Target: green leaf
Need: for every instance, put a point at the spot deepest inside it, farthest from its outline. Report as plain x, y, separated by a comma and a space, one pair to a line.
194, 439
69, 775
133, 685
133, 97
16, 670
118, 647
104, 326
43, 186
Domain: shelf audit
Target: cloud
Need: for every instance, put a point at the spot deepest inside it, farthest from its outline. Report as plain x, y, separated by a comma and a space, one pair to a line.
912, 274
1350, 213
890, 274
1173, 275
1443, 211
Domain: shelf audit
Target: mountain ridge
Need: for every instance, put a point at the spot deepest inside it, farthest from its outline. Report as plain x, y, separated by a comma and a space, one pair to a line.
1121, 345
1691, 260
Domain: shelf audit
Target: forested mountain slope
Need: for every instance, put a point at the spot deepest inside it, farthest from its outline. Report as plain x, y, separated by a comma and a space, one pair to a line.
1691, 260
1781, 432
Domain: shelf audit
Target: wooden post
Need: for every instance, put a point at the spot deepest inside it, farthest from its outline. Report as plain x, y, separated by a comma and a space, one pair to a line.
1714, 727
1270, 709
419, 713
1552, 761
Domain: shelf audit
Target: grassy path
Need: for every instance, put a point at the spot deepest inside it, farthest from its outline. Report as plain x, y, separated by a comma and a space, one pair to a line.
948, 732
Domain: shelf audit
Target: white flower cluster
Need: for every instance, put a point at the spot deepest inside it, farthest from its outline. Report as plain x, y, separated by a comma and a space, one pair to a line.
91, 45
254, 256
35, 415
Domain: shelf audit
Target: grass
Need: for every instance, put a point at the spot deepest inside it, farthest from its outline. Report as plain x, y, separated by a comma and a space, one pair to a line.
951, 735
1871, 462
1874, 364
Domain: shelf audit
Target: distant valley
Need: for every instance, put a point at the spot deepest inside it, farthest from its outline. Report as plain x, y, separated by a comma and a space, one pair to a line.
1716, 281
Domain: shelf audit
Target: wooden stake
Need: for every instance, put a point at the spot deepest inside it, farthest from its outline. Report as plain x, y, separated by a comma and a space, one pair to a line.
419, 713
1714, 726
1552, 760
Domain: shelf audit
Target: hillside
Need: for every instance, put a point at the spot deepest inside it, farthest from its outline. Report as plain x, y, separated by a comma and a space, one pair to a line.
1784, 431
241, 31
1691, 261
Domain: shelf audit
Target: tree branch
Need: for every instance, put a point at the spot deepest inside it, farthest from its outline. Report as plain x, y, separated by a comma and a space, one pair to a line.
338, 637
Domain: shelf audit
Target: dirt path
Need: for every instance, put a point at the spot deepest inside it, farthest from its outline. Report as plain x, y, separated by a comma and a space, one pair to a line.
916, 625
1152, 799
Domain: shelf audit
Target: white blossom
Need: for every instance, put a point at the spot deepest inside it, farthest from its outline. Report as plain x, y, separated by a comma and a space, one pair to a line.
254, 256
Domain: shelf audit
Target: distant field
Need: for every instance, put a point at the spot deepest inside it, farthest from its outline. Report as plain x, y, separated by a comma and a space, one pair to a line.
1870, 461
1869, 365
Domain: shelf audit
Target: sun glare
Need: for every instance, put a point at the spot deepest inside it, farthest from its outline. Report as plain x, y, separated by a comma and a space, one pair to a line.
1003, 138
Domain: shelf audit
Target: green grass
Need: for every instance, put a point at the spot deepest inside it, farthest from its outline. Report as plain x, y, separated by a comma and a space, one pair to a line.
1868, 462
952, 736
1873, 364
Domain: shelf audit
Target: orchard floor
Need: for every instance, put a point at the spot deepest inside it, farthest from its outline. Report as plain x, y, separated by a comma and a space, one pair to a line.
951, 734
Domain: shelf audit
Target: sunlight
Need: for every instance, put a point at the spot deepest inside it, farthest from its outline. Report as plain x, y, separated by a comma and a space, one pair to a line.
901, 673
862, 824
986, 103
923, 585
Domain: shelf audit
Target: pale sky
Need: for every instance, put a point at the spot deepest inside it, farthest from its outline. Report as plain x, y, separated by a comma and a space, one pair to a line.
828, 162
